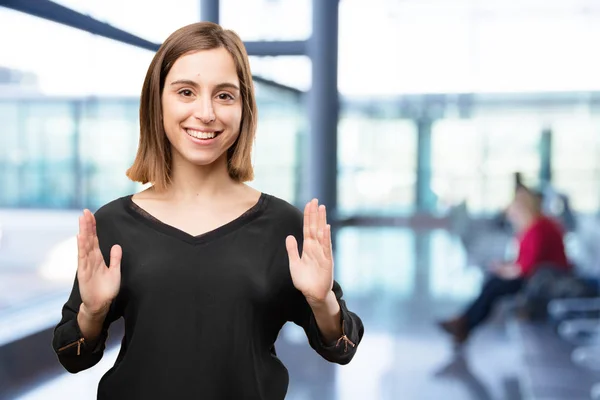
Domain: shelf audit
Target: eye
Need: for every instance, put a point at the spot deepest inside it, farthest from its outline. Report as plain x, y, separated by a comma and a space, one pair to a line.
225, 96
185, 92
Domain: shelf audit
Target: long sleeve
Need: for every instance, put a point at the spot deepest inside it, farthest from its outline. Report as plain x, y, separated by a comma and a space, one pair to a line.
340, 352
299, 311
74, 353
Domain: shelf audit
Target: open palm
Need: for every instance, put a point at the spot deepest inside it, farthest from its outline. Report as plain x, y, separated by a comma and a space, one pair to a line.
312, 273
98, 285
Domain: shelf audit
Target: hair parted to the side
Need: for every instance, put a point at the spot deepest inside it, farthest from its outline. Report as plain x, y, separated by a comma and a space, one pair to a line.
152, 163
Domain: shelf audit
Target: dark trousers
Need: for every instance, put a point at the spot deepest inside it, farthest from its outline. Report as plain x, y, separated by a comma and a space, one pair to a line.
494, 289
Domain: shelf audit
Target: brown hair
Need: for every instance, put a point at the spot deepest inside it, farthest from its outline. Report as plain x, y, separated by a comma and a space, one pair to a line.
153, 160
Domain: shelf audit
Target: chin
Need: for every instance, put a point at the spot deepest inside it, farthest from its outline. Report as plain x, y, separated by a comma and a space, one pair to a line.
201, 159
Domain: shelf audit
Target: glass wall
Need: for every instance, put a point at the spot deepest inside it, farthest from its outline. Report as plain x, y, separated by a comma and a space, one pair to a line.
377, 165
159, 19
475, 159
576, 160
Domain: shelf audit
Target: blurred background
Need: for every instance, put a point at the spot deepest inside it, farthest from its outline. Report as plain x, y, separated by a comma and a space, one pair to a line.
408, 119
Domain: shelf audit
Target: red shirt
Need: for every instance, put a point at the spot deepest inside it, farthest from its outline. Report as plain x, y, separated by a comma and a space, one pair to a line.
541, 243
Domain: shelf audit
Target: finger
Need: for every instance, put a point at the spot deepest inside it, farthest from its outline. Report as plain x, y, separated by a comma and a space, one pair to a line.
89, 237
93, 231
93, 219
116, 254
291, 246
90, 223
81, 253
327, 248
306, 227
322, 222
314, 217
83, 226
82, 238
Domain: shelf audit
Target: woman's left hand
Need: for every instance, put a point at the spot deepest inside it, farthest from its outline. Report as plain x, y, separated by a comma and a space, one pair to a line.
312, 274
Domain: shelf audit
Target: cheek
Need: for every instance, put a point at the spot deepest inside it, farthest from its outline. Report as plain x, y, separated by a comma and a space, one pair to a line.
173, 112
232, 116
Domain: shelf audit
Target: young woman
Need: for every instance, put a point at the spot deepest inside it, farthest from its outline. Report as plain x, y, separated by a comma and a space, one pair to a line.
204, 269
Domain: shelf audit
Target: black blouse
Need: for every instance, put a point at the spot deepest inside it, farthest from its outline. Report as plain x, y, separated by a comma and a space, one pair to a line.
201, 313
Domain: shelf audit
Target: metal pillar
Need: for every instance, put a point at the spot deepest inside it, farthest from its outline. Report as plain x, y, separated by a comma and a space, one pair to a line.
323, 105
209, 10
546, 157
424, 195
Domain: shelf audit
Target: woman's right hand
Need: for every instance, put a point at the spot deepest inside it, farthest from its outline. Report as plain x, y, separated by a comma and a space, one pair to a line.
98, 284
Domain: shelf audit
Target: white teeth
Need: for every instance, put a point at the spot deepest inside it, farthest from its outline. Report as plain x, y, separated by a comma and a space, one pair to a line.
200, 135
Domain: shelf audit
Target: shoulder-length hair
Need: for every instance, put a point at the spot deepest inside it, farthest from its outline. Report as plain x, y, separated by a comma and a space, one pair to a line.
152, 163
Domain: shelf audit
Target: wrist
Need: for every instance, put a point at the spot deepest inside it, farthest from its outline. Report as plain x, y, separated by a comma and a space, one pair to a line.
94, 315
327, 303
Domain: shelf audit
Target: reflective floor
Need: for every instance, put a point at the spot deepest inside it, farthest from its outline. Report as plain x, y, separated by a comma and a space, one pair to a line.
399, 283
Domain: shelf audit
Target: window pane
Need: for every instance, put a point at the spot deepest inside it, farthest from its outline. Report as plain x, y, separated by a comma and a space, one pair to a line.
153, 21
476, 159
64, 61
278, 147
293, 71
267, 19
576, 160
468, 46
377, 164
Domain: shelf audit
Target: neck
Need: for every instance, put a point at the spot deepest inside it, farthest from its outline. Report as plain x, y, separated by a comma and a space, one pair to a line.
192, 183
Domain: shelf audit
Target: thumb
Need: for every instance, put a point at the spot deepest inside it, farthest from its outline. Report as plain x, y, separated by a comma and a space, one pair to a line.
292, 249
116, 253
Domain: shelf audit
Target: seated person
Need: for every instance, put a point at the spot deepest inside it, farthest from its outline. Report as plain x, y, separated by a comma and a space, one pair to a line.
540, 243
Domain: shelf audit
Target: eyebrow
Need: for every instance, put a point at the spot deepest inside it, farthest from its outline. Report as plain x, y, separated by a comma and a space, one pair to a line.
225, 85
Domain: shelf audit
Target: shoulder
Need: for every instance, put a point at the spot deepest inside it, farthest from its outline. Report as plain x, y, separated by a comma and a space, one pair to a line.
112, 210
284, 214
544, 228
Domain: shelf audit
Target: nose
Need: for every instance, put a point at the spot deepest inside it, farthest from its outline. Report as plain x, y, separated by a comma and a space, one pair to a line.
205, 111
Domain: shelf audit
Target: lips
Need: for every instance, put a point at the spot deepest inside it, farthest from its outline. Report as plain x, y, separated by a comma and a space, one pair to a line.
202, 134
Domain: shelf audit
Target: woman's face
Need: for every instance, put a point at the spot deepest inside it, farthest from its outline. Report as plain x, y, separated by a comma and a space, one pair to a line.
202, 106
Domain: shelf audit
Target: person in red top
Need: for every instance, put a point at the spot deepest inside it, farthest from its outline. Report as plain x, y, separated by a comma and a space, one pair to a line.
540, 244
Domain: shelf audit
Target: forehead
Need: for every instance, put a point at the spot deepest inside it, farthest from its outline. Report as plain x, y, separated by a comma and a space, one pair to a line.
214, 65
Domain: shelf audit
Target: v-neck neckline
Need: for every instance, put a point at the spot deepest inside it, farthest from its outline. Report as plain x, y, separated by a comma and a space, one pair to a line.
148, 219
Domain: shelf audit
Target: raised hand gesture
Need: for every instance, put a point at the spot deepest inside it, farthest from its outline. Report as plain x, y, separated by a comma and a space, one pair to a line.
312, 274
98, 285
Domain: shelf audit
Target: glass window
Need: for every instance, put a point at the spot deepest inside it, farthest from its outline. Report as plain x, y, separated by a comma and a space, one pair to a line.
475, 160
268, 19
293, 71
47, 141
278, 146
467, 46
576, 161
153, 21
377, 165
64, 61
11, 156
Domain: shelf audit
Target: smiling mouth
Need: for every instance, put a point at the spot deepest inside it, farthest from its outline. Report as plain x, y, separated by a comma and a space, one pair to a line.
202, 135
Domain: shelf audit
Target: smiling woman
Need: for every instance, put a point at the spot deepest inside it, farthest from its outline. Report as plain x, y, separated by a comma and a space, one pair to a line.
201, 258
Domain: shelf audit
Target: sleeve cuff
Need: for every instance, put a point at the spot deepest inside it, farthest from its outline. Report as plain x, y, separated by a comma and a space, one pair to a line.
343, 343
72, 342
